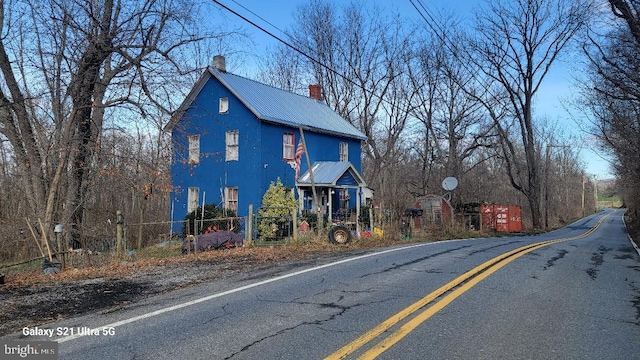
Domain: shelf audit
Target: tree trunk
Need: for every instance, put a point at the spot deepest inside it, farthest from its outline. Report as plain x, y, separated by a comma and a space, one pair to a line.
82, 93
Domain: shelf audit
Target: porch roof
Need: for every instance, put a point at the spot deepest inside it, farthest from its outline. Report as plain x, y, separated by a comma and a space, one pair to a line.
332, 174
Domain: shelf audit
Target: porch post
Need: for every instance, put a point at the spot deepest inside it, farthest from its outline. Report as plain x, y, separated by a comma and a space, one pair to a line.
300, 199
330, 202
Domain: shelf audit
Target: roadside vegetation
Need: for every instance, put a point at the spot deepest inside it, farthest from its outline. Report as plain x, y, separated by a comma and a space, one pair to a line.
81, 137
104, 265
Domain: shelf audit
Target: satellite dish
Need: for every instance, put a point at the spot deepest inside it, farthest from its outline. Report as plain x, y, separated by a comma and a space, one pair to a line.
450, 183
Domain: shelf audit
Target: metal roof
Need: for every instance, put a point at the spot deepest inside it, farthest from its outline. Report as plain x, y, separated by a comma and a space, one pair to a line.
282, 107
330, 173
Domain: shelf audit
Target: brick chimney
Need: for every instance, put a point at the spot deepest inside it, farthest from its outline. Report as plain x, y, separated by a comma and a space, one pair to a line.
219, 63
315, 91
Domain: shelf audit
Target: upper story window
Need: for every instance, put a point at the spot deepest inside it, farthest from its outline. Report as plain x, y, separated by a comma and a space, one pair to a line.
224, 105
344, 151
232, 138
194, 149
231, 198
288, 147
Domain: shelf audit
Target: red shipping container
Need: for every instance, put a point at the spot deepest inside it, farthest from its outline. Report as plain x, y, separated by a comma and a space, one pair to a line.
502, 218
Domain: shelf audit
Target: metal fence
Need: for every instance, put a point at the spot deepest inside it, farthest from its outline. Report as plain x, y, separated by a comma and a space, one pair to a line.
234, 224
274, 226
140, 235
152, 233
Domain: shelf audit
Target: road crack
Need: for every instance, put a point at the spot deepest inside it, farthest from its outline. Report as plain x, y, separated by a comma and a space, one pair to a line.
341, 309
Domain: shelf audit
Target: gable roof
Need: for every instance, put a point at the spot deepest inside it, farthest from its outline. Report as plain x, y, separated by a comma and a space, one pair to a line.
332, 173
274, 105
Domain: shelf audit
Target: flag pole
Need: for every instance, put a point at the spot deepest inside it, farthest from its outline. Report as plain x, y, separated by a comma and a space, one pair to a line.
319, 211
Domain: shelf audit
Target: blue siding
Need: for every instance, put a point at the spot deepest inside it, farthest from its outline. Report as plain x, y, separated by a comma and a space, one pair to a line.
260, 152
213, 173
321, 147
347, 180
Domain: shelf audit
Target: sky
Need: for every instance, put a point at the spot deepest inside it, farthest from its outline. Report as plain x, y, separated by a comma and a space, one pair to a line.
552, 102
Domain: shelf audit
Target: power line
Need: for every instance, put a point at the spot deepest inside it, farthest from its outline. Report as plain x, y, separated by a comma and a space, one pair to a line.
301, 52
256, 15
286, 43
433, 24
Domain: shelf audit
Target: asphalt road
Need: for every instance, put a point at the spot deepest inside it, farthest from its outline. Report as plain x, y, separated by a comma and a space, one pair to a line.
570, 294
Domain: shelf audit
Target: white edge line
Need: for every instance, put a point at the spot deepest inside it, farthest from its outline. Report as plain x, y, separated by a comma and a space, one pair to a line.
245, 287
629, 235
260, 283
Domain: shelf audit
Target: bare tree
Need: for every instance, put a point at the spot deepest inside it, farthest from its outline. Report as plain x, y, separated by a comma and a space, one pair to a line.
453, 123
283, 68
69, 66
613, 96
629, 12
515, 44
358, 57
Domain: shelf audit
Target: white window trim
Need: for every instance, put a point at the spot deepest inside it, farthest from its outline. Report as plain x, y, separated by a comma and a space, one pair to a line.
288, 149
223, 107
232, 141
344, 151
193, 198
228, 199
194, 149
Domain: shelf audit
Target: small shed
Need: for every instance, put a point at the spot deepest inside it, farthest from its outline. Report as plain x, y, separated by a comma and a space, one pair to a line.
436, 209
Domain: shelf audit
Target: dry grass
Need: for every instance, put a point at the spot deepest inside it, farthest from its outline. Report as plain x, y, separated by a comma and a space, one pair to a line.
86, 267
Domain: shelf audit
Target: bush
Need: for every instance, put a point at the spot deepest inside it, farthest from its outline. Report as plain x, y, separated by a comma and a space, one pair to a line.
211, 211
278, 203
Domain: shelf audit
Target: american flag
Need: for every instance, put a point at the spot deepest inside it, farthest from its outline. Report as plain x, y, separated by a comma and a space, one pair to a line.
298, 156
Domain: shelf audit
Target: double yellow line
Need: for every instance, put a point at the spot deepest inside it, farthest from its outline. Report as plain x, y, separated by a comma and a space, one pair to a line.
453, 289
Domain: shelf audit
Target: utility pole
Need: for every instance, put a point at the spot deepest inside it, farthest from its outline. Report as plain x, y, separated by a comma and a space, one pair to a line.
584, 180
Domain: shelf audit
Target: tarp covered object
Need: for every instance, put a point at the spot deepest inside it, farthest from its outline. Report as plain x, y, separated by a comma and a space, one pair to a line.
212, 241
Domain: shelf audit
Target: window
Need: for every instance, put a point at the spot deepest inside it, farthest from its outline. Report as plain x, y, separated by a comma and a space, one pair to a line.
192, 199
224, 105
288, 141
344, 151
232, 145
194, 149
344, 199
231, 198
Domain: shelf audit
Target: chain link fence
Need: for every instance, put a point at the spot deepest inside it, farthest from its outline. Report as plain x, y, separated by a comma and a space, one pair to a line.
274, 226
141, 235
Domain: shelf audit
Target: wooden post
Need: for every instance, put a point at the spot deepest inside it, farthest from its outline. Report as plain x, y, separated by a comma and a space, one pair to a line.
119, 234
139, 247
371, 219
249, 226
195, 242
319, 210
357, 210
33, 233
295, 227
44, 239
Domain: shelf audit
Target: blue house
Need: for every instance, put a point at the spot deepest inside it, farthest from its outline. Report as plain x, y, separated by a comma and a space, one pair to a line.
232, 137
